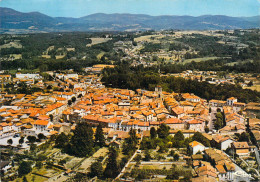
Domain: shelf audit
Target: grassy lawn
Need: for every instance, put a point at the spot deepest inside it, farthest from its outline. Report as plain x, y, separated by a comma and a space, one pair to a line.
101, 152
50, 172
199, 59
84, 167
254, 87
17, 45
74, 161
50, 152
43, 171
98, 41
149, 38
155, 166
32, 177
99, 56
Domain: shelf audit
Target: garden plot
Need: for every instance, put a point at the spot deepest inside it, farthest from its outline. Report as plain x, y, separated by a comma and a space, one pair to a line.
84, 167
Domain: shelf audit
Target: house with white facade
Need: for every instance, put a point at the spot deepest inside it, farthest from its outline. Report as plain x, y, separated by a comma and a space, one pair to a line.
175, 123
231, 101
41, 125
196, 125
196, 147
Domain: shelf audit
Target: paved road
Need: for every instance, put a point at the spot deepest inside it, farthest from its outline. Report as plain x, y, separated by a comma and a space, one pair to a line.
126, 166
210, 124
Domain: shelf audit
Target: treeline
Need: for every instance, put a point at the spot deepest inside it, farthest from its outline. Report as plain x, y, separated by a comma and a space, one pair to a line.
35, 44
207, 45
81, 143
178, 47
50, 64
147, 78
213, 65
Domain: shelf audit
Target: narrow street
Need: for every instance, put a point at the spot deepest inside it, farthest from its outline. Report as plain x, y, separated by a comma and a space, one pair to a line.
127, 164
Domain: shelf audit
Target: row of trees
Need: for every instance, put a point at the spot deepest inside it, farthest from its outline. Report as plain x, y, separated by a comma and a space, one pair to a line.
129, 145
220, 121
31, 139
126, 77
112, 169
82, 143
161, 138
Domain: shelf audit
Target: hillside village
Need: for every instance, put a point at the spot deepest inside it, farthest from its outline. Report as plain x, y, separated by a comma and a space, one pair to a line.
131, 106
70, 98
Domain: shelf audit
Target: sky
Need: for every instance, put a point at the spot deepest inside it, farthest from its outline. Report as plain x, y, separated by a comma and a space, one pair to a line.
79, 8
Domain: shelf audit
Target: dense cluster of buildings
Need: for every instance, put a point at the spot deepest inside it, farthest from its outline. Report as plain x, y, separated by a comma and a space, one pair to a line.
72, 98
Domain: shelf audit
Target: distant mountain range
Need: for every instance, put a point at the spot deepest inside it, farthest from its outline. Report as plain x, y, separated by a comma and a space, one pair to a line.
14, 21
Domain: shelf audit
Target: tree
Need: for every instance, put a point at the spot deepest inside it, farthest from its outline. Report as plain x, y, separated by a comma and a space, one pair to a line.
51, 117
82, 141
244, 137
31, 139
96, 169
43, 67
147, 155
148, 143
206, 129
112, 168
49, 87
176, 157
250, 84
62, 162
178, 139
21, 140
71, 86
41, 157
172, 152
61, 140
138, 158
163, 131
10, 141
33, 147
41, 136
99, 136
73, 99
179, 136
25, 179
200, 138
39, 164
219, 123
153, 133
24, 168
174, 175
130, 143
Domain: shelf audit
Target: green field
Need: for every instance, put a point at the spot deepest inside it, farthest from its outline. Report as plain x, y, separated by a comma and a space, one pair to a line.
99, 56
199, 59
33, 176
14, 44
254, 87
98, 41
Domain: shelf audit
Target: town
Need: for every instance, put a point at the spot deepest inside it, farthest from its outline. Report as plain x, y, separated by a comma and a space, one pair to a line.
130, 106
177, 134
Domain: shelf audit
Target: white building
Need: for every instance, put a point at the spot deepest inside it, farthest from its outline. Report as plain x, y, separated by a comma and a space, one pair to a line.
196, 147
27, 76
231, 101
